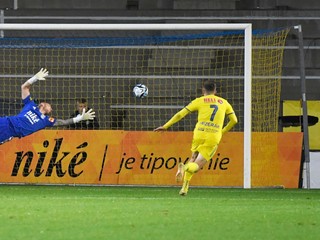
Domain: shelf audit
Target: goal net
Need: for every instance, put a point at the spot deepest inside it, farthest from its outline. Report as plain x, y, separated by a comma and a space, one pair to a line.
102, 66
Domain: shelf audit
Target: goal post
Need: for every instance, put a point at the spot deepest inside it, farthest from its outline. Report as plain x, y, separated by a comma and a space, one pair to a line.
223, 52
247, 106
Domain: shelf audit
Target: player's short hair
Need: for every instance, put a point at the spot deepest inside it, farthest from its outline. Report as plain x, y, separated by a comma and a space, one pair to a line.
82, 100
209, 85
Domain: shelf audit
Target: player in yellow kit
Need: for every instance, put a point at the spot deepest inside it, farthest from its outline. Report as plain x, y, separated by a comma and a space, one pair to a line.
207, 132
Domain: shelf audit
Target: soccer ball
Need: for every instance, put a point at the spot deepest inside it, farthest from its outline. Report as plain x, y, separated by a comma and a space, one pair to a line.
140, 90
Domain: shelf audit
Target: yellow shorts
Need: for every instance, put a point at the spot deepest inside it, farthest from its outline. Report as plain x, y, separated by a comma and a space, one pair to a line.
206, 148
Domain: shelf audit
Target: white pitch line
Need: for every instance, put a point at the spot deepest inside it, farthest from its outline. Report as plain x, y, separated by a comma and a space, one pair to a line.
166, 198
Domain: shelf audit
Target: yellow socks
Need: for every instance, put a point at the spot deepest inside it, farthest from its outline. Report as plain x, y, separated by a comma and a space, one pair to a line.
190, 169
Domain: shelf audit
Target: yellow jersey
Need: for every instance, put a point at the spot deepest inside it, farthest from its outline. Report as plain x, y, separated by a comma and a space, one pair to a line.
209, 128
211, 114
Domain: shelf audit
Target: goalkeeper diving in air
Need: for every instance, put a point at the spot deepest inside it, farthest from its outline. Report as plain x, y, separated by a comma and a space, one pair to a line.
207, 132
33, 117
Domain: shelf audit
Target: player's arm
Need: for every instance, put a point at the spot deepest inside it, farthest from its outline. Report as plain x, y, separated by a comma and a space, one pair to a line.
176, 118
25, 88
90, 115
233, 120
62, 122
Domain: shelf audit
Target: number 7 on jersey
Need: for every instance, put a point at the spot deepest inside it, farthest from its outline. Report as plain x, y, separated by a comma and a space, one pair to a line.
215, 109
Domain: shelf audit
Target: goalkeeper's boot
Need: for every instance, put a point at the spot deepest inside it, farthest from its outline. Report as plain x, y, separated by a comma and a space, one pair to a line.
180, 172
185, 188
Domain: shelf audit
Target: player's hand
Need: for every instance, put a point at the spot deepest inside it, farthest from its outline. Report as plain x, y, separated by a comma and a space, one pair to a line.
42, 74
159, 129
39, 76
88, 115
84, 116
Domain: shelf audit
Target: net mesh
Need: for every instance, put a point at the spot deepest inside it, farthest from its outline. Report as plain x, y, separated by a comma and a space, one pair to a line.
104, 69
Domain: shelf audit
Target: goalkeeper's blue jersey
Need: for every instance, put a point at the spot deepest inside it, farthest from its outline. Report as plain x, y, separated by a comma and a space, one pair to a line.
29, 120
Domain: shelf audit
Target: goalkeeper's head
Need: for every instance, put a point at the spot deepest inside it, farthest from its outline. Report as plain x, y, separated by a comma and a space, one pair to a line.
45, 108
209, 87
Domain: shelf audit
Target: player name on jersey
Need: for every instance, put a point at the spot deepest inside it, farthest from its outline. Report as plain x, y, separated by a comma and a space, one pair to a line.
212, 100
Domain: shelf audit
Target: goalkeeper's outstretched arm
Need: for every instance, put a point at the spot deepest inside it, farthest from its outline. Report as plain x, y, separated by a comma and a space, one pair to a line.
25, 88
90, 115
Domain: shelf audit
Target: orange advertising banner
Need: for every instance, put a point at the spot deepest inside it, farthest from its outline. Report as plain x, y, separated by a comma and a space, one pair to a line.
107, 157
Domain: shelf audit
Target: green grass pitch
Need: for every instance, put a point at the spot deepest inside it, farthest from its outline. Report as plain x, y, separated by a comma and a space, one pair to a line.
83, 212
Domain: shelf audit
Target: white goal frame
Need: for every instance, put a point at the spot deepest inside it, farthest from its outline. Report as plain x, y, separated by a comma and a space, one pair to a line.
246, 27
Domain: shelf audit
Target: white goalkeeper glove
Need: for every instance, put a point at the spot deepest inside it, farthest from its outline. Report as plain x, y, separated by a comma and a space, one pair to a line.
39, 76
84, 116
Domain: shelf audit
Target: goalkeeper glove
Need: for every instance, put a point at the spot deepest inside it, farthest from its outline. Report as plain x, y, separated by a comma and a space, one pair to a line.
39, 76
84, 116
